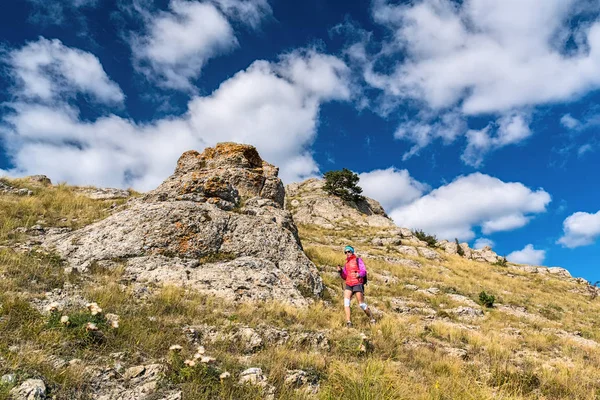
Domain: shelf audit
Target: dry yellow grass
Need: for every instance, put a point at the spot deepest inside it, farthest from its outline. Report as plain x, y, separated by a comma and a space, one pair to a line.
522, 349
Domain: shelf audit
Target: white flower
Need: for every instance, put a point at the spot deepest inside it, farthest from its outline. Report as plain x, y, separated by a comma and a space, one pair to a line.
94, 308
190, 363
225, 375
90, 326
65, 320
53, 307
113, 320
201, 350
176, 348
207, 360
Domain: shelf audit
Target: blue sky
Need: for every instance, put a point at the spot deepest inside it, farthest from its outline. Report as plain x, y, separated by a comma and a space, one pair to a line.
474, 120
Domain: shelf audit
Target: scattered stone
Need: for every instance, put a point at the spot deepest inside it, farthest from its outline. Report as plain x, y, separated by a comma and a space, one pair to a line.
466, 312
8, 379
428, 253
411, 287
459, 298
253, 376
39, 179
103, 193
408, 250
31, 389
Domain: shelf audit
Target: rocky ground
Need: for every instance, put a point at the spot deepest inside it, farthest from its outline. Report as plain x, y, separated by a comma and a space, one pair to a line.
206, 288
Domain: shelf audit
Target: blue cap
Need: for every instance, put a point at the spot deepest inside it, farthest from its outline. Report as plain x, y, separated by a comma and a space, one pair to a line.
349, 248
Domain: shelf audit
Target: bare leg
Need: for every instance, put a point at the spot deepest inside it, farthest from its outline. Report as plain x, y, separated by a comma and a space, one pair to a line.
361, 299
347, 296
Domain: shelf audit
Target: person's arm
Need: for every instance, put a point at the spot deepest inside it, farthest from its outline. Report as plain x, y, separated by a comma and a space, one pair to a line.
342, 272
362, 269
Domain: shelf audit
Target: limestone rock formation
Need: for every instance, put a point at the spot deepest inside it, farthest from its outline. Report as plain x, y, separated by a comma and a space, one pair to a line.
216, 225
311, 205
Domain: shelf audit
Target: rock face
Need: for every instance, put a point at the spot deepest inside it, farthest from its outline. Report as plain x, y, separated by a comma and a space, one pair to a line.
216, 225
311, 205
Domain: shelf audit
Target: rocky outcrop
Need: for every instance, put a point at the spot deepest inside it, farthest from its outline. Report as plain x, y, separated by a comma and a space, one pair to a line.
103, 193
216, 225
485, 254
311, 205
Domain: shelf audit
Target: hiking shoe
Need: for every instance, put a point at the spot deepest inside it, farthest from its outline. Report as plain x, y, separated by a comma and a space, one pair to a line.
348, 324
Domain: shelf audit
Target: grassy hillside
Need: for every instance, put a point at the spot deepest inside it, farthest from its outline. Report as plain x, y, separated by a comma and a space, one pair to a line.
538, 341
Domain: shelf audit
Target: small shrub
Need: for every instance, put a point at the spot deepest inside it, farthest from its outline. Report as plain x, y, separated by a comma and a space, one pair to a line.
501, 262
343, 184
486, 300
431, 240
459, 249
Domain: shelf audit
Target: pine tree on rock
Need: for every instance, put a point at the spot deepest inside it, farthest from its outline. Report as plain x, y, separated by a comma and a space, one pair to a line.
344, 184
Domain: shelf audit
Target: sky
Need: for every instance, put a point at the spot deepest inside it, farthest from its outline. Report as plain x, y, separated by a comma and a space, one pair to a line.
474, 120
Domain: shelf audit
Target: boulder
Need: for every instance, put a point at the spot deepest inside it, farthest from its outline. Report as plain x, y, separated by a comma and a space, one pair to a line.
31, 389
485, 255
311, 205
103, 193
217, 225
39, 179
428, 253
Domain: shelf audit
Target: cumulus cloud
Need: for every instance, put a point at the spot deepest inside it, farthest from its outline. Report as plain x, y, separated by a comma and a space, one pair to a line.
272, 105
569, 122
483, 242
490, 56
580, 229
529, 255
179, 42
509, 129
391, 187
46, 70
476, 200
490, 59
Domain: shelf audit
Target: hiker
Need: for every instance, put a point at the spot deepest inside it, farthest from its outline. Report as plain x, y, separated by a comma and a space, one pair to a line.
354, 273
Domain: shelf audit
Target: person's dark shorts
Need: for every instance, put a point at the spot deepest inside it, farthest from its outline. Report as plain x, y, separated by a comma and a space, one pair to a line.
356, 288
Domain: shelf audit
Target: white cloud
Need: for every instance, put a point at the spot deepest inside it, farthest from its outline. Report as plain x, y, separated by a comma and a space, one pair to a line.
580, 229
490, 56
490, 59
47, 70
477, 200
509, 129
391, 187
180, 41
569, 122
586, 148
447, 127
274, 106
529, 255
483, 242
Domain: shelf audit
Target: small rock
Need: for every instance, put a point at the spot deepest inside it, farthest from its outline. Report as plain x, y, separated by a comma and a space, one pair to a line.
134, 372
8, 379
253, 376
411, 287
31, 389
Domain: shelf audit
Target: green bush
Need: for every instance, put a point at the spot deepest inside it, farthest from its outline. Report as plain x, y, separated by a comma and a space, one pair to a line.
486, 300
344, 184
501, 262
431, 240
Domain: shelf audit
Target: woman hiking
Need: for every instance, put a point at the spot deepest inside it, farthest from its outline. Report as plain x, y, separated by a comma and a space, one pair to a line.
354, 273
